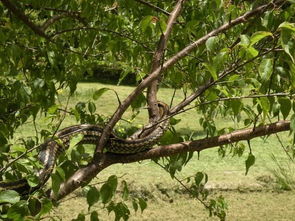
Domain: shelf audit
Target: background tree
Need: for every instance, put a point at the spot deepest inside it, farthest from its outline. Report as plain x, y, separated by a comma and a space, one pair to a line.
218, 52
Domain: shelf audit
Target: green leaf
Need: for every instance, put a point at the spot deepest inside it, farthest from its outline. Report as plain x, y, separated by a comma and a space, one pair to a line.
211, 43
135, 205
173, 121
92, 196
56, 181
211, 70
46, 206
244, 41
18, 211
287, 43
108, 189
142, 203
34, 206
249, 162
285, 106
265, 104
120, 209
251, 52
145, 22
94, 216
257, 36
32, 180
74, 141
9, 196
265, 69
287, 25
198, 178
61, 173
139, 101
97, 94
91, 107
236, 106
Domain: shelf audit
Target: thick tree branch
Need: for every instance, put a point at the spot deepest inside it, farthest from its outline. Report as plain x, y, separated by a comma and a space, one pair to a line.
19, 14
157, 60
126, 103
104, 160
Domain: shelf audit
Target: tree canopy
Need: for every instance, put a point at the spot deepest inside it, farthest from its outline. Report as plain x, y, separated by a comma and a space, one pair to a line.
219, 53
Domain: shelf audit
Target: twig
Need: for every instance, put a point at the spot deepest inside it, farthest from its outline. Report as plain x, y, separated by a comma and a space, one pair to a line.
184, 186
220, 100
19, 157
153, 7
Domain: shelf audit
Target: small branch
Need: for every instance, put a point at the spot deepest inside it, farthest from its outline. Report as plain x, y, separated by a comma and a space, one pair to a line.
156, 8
103, 160
185, 187
19, 14
220, 100
3, 169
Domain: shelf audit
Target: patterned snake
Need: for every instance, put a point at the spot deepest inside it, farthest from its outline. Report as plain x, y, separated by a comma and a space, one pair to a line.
52, 148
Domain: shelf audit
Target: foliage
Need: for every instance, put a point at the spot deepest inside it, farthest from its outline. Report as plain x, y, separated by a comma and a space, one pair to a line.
253, 60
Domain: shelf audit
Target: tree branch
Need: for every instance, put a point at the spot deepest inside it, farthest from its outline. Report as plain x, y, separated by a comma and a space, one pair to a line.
146, 82
157, 60
19, 14
106, 159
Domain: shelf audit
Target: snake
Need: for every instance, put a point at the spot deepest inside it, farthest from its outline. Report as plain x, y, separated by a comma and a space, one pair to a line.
49, 151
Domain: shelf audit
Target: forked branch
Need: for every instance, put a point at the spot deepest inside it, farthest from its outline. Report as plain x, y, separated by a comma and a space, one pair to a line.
174, 59
157, 61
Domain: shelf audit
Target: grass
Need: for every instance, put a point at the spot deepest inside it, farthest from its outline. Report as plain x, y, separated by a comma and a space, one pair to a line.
251, 197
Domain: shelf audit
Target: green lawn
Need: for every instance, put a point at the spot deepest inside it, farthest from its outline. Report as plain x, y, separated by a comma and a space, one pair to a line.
251, 197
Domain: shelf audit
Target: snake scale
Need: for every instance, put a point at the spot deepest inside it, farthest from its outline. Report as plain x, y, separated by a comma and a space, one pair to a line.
52, 148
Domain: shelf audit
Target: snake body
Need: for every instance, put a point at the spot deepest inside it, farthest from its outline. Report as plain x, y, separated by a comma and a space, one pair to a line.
52, 148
